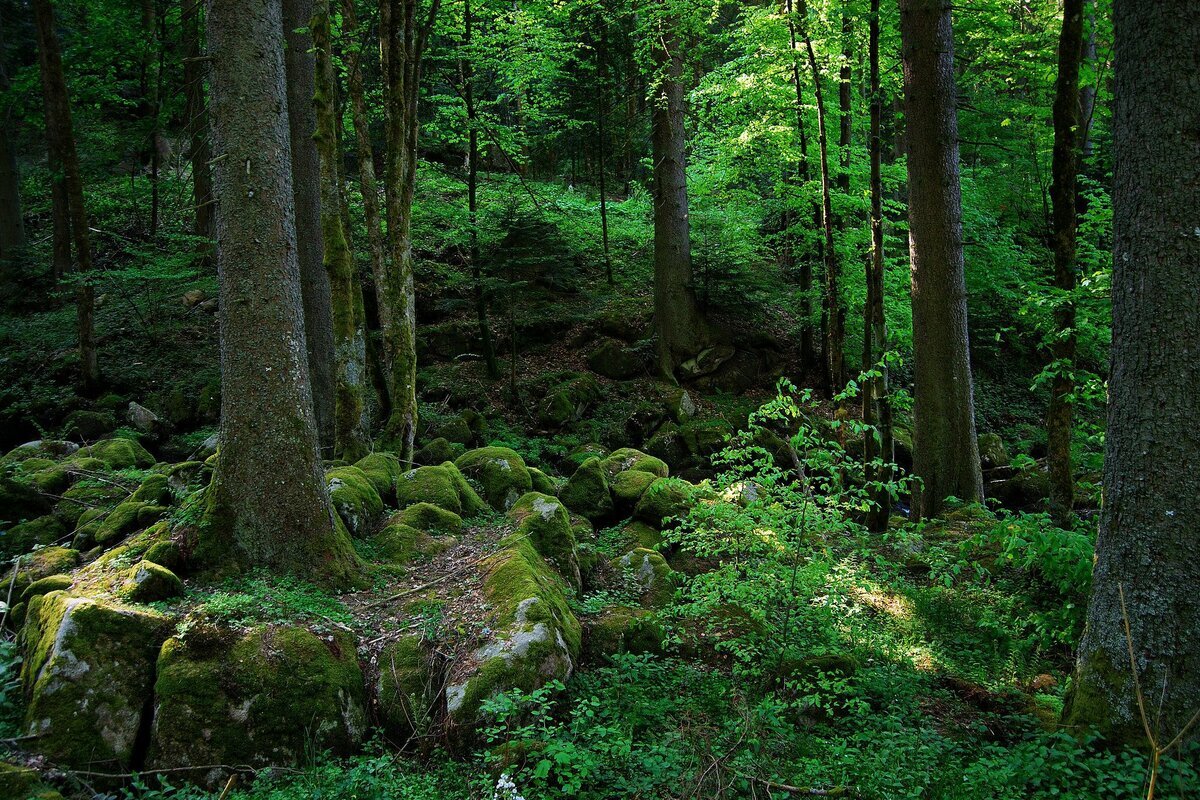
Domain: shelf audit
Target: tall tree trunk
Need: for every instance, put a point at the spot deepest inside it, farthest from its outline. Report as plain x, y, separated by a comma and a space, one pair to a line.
306, 184
1148, 548
12, 221
602, 142
351, 440
946, 453
835, 368
1064, 168
61, 144
196, 113
807, 353
677, 319
267, 505
876, 401
404, 35
845, 121
481, 315
1087, 92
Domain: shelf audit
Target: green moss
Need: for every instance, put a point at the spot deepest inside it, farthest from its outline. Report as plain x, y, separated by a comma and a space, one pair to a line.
629, 486
166, 554
36, 532
154, 491
404, 687
428, 517
542, 482
622, 630
49, 449
649, 575
438, 451
19, 501
664, 499
435, 485
354, 498
126, 518
22, 783
1101, 698
501, 473
147, 582
266, 697
383, 470
51, 583
88, 497
119, 454
629, 459
87, 673
40, 564
586, 492
544, 521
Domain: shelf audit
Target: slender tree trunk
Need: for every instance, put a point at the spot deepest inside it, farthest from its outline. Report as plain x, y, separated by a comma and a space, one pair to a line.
845, 120
602, 142
267, 505
468, 73
196, 113
1148, 548
946, 453
351, 440
1087, 92
1064, 169
807, 353
404, 36
835, 369
157, 31
306, 183
61, 141
876, 400
677, 319
12, 221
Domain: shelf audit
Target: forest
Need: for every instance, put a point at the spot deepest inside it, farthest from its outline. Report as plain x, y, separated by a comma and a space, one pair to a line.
527, 399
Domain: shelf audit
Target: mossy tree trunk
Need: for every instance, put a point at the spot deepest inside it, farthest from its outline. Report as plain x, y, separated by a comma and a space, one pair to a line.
60, 139
404, 31
1064, 169
351, 440
267, 505
680, 326
1149, 546
945, 451
306, 184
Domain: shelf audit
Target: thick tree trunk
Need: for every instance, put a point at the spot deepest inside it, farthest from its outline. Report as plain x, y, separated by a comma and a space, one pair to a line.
1148, 548
1064, 168
678, 322
61, 144
351, 440
834, 315
12, 221
306, 183
946, 453
196, 118
807, 352
876, 402
267, 505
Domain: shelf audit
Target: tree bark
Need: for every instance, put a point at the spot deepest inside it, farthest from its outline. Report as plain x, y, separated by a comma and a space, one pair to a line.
807, 353
196, 113
1148, 547
845, 120
12, 221
351, 440
60, 140
1064, 169
267, 505
678, 321
876, 401
306, 183
602, 142
946, 453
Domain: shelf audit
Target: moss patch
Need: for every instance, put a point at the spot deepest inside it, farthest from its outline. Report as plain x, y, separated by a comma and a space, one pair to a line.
587, 491
354, 498
499, 471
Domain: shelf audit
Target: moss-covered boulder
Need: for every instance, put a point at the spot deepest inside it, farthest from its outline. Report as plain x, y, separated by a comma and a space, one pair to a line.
535, 638
586, 492
382, 470
23, 783
583, 452
542, 482
434, 485
545, 522
647, 572
87, 675
20, 501
438, 451
398, 543
354, 498
628, 487
637, 534
147, 582
992, 453
51, 449
616, 360
627, 458
51, 583
165, 553
665, 499
123, 520
621, 630
406, 689
118, 454
430, 518
499, 471
35, 533
37, 565
269, 696
90, 498
568, 401
88, 425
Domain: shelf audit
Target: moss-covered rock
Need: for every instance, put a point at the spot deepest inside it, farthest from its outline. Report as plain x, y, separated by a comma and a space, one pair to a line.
499, 471
621, 630
992, 453
647, 572
628, 487
119, 454
382, 470
91, 498
665, 499
613, 359
51, 583
37, 565
586, 492
583, 452
637, 534
456, 430
19, 501
438, 451
542, 482
52, 449
23, 783
123, 520
544, 521
34, 533
354, 498
568, 401
147, 582
535, 637
165, 553
627, 458
154, 490
87, 675
434, 485
88, 425
398, 543
430, 518
270, 696
405, 689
